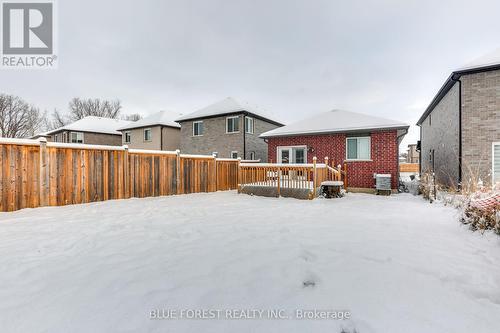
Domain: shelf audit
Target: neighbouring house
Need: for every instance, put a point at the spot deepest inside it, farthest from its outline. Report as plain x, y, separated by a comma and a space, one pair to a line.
158, 131
89, 130
228, 128
460, 129
412, 155
368, 144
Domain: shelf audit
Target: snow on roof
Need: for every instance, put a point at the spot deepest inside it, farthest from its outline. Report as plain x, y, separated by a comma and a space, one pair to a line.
334, 121
489, 59
165, 118
225, 106
94, 124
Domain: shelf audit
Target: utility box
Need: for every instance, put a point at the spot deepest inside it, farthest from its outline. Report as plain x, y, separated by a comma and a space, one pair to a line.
383, 183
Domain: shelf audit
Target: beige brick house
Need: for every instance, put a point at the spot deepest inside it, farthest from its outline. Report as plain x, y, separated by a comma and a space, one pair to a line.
228, 128
460, 129
158, 131
89, 130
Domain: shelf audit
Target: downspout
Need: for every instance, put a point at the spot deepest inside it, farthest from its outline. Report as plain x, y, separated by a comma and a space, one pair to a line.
244, 138
459, 129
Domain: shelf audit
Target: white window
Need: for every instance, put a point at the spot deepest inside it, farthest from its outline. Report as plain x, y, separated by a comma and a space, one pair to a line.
292, 154
252, 156
232, 124
249, 125
147, 134
197, 128
496, 162
76, 137
127, 137
234, 154
358, 148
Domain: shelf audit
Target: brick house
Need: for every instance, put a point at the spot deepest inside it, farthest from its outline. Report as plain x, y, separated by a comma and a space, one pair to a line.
89, 130
156, 132
366, 143
460, 129
229, 128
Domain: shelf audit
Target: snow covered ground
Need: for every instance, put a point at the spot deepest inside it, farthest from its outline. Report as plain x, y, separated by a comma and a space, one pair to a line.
397, 264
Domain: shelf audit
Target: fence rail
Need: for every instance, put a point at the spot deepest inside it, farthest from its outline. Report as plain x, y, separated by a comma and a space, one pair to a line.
290, 176
39, 173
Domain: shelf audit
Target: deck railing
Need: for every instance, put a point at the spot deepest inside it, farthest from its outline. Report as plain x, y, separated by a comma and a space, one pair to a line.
290, 176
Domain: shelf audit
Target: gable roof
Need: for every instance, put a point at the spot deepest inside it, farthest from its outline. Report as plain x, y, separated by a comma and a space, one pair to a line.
334, 121
93, 124
227, 106
487, 62
163, 118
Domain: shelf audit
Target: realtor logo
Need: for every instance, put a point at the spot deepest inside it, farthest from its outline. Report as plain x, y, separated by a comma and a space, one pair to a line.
28, 29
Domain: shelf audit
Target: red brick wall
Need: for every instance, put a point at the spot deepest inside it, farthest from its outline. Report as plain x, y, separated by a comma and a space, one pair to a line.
384, 155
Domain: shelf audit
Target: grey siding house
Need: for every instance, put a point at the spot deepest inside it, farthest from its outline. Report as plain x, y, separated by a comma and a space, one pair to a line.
460, 129
89, 130
157, 132
228, 128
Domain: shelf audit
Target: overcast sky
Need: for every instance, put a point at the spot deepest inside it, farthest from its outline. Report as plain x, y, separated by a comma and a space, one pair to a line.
293, 58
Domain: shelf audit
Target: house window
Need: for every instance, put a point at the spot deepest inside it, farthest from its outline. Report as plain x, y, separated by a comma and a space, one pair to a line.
197, 128
358, 148
65, 137
76, 137
496, 163
252, 156
234, 154
147, 134
292, 154
127, 137
56, 138
232, 124
249, 125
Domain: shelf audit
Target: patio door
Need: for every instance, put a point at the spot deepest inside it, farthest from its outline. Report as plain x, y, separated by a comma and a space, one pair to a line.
292, 154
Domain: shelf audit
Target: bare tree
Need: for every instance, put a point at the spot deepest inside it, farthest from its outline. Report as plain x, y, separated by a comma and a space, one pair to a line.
56, 120
80, 108
18, 119
132, 117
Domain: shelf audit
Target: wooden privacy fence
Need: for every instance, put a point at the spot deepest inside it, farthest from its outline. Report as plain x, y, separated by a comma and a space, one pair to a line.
409, 167
36, 173
290, 176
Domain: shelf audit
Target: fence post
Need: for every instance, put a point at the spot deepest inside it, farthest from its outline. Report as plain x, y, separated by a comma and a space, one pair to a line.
239, 175
178, 171
345, 175
314, 176
216, 181
44, 174
126, 172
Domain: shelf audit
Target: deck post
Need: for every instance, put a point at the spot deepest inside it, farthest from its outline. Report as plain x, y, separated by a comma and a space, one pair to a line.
326, 169
279, 182
239, 175
44, 174
314, 176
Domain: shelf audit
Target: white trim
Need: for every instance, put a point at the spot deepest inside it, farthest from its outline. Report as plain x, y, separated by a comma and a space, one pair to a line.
144, 134
290, 148
493, 144
198, 122
227, 122
253, 125
357, 150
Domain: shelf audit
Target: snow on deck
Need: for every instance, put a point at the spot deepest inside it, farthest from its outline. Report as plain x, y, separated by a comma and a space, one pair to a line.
397, 263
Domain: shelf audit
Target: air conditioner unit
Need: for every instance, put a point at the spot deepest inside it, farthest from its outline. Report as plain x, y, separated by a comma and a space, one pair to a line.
383, 182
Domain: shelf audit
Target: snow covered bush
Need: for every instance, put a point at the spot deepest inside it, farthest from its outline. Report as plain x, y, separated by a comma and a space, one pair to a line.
481, 210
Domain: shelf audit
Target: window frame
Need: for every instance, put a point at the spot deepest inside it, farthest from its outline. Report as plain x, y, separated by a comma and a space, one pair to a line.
227, 124
357, 148
129, 136
144, 134
232, 153
253, 125
493, 144
71, 137
252, 156
291, 153
202, 129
